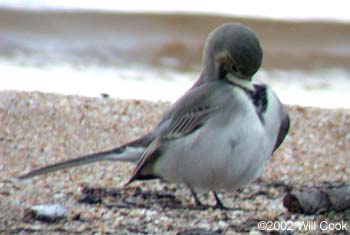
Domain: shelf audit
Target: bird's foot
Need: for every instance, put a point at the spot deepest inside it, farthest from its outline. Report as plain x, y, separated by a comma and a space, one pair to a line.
219, 204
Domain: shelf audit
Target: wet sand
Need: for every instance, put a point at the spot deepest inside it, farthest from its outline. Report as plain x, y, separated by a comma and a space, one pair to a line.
38, 129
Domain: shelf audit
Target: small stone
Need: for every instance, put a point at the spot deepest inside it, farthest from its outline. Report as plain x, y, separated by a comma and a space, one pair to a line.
48, 213
5, 192
105, 95
90, 199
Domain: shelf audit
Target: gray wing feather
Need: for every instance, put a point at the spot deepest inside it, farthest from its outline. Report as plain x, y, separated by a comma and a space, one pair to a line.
192, 110
185, 116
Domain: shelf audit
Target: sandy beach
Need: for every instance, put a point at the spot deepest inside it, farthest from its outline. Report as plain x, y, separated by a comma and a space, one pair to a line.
39, 128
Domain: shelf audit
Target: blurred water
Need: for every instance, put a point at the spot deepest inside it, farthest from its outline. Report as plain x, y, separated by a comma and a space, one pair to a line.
296, 10
140, 82
327, 88
157, 57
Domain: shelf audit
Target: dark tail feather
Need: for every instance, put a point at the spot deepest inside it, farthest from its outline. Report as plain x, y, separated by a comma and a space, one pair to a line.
96, 157
130, 152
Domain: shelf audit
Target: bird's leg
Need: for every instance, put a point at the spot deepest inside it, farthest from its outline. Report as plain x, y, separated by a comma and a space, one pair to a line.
196, 199
219, 204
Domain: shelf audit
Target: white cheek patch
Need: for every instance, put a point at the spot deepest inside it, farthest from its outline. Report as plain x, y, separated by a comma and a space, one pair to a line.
246, 84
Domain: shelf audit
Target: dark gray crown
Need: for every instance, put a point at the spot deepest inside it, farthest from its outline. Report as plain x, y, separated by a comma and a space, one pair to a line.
240, 41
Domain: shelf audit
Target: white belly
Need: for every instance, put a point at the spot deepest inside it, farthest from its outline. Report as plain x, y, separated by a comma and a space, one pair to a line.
219, 156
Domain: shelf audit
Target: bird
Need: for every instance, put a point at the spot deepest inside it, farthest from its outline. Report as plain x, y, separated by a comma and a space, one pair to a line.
219, 134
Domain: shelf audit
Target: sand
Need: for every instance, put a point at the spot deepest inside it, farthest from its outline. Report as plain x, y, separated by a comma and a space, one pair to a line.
39, 129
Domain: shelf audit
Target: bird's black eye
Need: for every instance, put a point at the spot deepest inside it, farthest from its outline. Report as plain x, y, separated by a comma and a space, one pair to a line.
234, 68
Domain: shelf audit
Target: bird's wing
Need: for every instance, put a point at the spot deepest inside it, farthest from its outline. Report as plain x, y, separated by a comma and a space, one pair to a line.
192, 110
147, 156
187, 115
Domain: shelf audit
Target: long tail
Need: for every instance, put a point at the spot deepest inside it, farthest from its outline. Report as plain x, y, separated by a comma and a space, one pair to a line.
124, 153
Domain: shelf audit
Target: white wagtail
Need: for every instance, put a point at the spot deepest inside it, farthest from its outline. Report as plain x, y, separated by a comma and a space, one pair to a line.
219, 134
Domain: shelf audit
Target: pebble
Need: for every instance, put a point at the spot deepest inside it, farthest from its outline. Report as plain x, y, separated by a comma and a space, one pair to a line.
49, 212
89, 199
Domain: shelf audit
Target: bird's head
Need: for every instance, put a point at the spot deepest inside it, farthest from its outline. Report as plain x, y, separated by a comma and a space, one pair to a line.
231, 50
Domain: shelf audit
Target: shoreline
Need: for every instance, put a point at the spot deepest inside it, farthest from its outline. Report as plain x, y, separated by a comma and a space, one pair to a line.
152, 38
40, 128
